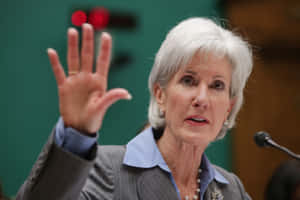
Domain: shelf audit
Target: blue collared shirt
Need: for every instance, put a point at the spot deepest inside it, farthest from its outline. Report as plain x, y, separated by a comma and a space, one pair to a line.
141, 152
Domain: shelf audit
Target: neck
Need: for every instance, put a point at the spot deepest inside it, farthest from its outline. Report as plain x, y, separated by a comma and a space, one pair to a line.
182, 158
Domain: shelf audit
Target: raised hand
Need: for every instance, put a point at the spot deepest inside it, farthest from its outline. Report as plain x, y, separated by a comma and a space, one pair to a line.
83, 95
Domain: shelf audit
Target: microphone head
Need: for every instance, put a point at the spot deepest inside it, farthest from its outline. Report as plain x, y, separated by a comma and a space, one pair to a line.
261, 139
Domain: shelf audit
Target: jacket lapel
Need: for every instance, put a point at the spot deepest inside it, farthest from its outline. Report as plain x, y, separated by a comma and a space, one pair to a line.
155, 184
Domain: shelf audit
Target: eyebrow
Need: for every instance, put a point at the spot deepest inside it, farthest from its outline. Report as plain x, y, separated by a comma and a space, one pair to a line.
219, 76
190, 72
195, 73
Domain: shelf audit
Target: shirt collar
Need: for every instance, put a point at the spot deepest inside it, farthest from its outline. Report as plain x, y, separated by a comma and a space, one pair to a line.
143, 152
211, 172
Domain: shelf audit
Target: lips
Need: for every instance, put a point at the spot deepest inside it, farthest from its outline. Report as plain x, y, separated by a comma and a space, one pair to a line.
197, 120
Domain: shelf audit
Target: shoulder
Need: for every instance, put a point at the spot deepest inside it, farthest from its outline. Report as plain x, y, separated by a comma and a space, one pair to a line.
111, 150
231, 177
235, 186
110, 154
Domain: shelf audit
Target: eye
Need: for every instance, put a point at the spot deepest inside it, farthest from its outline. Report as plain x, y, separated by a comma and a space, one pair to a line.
218, 85
188, 81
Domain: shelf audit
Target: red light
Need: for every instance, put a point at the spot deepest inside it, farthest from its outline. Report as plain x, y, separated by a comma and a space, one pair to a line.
98, 18
78, 18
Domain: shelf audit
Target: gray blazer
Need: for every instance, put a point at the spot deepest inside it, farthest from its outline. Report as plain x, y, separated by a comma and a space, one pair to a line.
61, 175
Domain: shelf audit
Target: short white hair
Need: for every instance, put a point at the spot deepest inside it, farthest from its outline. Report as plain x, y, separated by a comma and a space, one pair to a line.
182, 43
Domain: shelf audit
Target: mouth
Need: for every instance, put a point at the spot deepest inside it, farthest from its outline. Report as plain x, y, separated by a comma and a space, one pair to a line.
196, 120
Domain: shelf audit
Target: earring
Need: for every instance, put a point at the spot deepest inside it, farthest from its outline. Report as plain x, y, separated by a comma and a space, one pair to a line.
226, 123
161, 113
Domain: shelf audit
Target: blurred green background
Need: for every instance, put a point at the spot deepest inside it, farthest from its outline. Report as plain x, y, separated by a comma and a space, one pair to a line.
29, 102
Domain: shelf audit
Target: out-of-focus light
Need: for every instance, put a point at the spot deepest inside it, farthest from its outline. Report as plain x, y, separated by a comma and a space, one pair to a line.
78, 18
98, 18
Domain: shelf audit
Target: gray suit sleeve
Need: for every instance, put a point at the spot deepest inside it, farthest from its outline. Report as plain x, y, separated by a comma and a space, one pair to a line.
61, 175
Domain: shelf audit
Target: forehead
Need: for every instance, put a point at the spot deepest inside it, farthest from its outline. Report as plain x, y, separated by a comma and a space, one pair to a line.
208, 62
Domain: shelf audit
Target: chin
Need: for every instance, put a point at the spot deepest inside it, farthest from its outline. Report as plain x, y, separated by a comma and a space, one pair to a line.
197, 139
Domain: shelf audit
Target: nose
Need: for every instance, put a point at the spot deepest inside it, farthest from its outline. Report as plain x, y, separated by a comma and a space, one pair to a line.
201, 98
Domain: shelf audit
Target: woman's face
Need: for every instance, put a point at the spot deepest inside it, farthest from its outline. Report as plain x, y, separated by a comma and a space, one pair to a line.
196, 100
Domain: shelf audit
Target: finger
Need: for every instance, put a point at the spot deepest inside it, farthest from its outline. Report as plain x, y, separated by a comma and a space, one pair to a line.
56, 66
73, 52
103, 60
111, 97
87, 51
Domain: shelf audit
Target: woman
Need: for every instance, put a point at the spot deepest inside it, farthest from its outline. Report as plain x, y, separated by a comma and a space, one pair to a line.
196, 87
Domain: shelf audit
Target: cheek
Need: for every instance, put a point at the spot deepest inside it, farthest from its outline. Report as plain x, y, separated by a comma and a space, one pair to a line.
223, 109
177, 101
221, 106
176, 105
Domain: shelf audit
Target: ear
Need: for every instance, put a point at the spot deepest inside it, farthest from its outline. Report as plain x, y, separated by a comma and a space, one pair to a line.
232, 103
160, 96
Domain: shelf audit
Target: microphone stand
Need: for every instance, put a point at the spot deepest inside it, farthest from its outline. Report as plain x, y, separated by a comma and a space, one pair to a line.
281, 148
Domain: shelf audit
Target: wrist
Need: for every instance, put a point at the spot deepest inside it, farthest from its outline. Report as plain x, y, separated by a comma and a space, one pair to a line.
81, 130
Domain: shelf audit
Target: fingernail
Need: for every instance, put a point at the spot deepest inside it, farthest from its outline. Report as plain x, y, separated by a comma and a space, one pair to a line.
87, 25
105, 34
70, 30
49, 49
128, 97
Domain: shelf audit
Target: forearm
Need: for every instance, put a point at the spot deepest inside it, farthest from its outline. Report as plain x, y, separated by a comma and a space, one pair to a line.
57, 174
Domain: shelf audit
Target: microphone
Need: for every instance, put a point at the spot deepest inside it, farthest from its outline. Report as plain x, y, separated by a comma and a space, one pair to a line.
263, 139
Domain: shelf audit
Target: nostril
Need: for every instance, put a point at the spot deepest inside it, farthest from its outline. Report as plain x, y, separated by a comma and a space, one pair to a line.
197, 104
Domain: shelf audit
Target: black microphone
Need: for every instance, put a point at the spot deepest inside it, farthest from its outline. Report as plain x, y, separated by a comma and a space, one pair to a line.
263, 139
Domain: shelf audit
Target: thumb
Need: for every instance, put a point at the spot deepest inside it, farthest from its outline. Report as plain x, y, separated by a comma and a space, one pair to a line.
111, 96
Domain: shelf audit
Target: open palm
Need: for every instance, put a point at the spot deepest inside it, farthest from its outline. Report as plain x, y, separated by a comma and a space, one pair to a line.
83, 95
